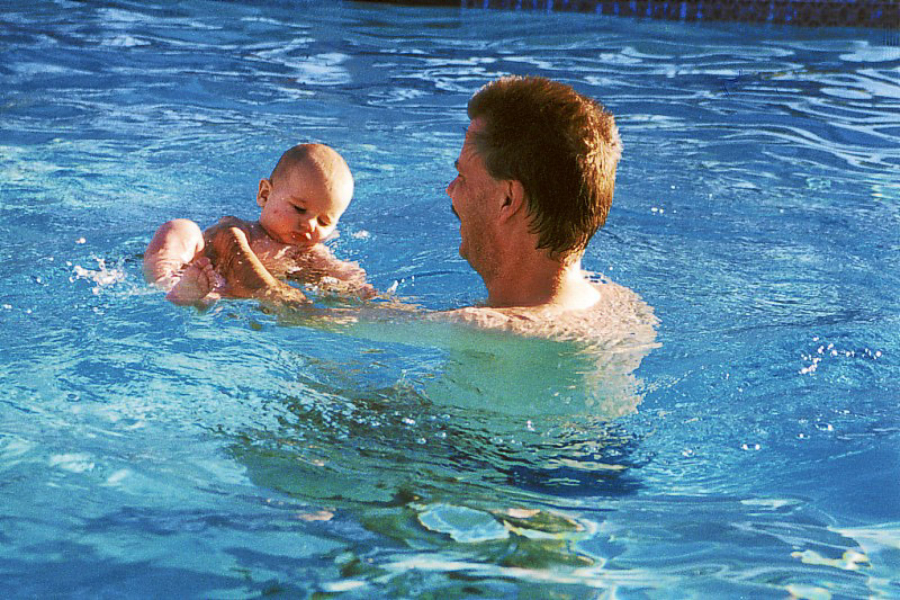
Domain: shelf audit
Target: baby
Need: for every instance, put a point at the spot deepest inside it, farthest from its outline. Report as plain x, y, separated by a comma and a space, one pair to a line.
301, 201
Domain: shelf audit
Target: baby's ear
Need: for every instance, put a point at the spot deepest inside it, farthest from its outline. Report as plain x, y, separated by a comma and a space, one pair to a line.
265, 188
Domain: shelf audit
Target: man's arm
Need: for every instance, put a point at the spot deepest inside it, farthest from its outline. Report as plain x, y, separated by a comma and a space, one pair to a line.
320, 267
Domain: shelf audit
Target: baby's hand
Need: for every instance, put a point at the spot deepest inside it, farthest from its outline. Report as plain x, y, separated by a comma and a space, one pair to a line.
198, 281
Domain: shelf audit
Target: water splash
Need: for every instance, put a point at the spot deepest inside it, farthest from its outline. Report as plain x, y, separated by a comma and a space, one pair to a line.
104, 276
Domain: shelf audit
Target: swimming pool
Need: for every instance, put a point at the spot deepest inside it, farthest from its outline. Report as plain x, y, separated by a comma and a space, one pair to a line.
149, 451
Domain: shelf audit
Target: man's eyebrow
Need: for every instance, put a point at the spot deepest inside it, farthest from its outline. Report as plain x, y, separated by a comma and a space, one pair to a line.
456, 164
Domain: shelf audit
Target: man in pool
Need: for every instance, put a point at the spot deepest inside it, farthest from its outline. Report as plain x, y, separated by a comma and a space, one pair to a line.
301, 201
535, 181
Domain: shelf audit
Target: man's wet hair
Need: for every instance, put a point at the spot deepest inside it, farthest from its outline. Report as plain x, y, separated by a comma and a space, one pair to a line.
562, 146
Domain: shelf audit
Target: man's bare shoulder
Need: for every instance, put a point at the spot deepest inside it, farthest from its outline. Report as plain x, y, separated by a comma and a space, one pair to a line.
619, 312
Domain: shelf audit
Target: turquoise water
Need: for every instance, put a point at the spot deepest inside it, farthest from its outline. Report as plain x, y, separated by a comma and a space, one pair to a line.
150, 451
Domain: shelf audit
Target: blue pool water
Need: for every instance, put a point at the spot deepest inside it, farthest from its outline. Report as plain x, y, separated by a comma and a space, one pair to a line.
148, 450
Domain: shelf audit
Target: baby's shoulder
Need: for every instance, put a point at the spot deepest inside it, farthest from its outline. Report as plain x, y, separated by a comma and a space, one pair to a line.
227, 222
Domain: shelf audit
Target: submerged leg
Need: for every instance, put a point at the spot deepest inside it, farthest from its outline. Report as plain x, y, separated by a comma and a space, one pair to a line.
174, 245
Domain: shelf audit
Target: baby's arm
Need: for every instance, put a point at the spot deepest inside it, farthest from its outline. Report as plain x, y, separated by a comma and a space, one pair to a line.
174, 245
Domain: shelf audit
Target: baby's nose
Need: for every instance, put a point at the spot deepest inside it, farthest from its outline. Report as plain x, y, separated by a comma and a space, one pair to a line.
309, 228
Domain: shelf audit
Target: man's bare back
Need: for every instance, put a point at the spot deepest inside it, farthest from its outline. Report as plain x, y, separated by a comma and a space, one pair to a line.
619, 309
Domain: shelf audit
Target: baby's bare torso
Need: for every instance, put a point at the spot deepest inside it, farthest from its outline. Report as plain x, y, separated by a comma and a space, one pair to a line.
282, 260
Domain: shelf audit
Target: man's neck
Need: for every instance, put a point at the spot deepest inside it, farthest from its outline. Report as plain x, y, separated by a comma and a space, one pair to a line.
542, 282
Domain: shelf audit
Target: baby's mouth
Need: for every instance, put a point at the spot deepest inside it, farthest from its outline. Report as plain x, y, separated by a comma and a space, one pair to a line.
300, 239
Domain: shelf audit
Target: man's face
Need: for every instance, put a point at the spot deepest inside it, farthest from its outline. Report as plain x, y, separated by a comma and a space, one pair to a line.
475, 201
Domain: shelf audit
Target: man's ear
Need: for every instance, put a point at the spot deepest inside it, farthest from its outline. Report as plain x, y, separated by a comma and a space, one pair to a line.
265, 188
514, 200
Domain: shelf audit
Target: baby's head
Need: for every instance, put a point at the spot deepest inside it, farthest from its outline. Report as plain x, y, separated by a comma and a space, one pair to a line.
306, 194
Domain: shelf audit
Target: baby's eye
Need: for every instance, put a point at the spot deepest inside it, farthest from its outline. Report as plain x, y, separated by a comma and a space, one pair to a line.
300, 210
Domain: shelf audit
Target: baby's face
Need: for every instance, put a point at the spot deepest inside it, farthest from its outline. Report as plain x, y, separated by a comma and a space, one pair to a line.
302, 205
